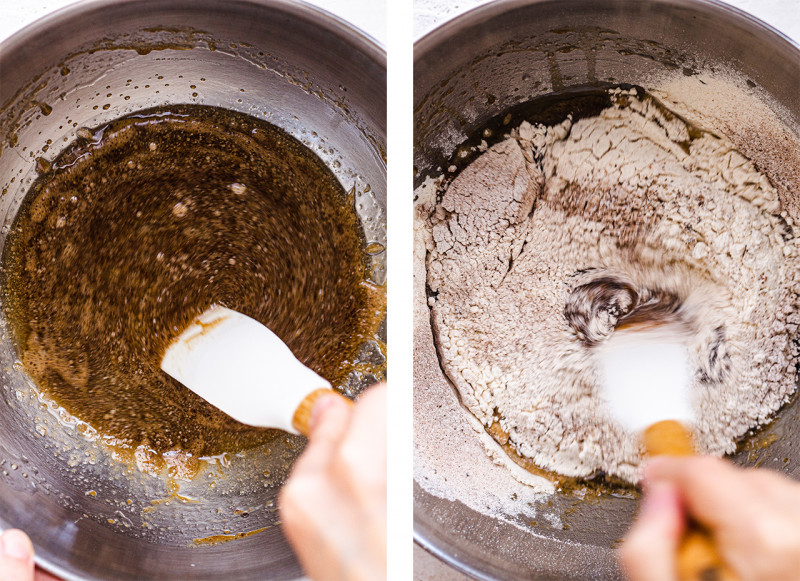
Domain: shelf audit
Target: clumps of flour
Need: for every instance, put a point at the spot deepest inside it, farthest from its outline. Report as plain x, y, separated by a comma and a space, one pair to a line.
638, 193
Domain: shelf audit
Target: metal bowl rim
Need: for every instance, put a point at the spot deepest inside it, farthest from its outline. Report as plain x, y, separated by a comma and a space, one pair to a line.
51, 22
430, 40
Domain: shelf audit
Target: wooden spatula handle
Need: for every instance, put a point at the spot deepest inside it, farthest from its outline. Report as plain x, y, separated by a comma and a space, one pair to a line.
698, 558
302, 415
668, 438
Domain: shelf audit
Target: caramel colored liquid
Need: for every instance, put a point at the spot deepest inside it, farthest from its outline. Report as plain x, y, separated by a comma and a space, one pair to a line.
141, 225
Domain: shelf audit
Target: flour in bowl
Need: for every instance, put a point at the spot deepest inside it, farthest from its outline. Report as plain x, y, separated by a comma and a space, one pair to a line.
639, 208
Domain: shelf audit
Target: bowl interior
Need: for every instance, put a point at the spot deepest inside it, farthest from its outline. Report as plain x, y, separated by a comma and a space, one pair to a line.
508, 52
287, 63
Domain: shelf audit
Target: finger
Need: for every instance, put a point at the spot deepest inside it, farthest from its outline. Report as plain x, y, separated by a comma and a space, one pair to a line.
361, 466
16, 556
775, 486
322, 524
361, 458
329, 420
41, 575
649, 550
712, 490
308, 511
746, 510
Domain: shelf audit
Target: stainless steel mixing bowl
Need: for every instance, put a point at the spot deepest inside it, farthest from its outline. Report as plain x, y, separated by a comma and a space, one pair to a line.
478, 66
91, 517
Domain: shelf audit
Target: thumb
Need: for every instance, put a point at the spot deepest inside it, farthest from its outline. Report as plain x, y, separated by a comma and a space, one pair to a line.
329, 420
16, 556
649, 550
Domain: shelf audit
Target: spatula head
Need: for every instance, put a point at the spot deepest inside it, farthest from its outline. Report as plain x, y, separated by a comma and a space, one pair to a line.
645, 375
238, 365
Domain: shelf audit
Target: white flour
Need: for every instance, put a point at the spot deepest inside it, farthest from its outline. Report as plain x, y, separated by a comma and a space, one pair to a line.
632, 196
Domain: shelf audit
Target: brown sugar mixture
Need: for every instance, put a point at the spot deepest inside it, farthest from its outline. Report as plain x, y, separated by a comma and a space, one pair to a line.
141, 225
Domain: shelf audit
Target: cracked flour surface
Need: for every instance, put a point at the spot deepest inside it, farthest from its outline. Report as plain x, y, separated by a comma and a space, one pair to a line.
637, 195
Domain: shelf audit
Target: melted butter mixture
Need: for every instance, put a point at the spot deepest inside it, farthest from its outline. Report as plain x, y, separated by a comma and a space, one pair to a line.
141, 225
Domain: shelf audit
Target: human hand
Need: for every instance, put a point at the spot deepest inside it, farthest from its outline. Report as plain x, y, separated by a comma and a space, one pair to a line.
753, 516
16, 558
333, 507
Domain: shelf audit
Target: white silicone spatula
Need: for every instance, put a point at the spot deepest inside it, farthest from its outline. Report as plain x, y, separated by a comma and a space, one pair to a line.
645, 378
241, 367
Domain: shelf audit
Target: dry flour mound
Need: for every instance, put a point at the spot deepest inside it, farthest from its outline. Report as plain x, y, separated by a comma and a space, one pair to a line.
637, 199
